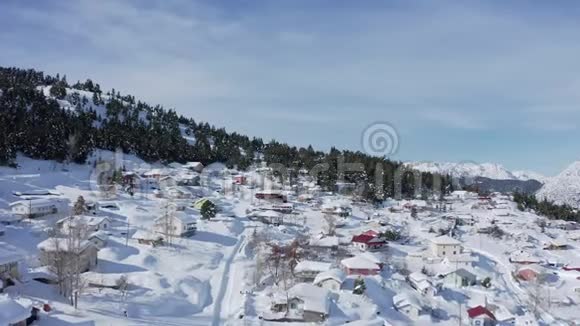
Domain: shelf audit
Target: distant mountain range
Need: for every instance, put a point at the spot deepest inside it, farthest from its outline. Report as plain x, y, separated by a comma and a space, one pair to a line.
563, 188
473, 170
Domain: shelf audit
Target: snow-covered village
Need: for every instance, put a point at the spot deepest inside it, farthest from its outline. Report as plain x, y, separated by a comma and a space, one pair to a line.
286, 163
187, 244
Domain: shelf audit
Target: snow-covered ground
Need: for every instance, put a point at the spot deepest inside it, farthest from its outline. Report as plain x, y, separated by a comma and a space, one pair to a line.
210, 278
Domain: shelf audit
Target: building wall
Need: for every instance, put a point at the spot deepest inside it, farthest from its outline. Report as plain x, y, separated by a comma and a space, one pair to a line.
446, 250
315, 317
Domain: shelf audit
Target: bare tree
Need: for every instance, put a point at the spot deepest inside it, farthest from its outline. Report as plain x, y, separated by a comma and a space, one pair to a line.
168, 224
330, 224
122, 284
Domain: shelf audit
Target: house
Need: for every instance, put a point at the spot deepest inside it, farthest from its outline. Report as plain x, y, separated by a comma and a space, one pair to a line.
523, 258
556, 244
179, 224
273, 195
177, 193
457, 277
529, 272
480, 316
369, 240
306, 270
53, 249
331, 280
147, 237
99, 239
9, 265
156, 174
14, 313
194, 166
88, 222
188, 180
270, 217
408, 305
462, 260
421, 283
445, 246
9, 219
166, 182
359, 265
240, 180
32, 208
303, 303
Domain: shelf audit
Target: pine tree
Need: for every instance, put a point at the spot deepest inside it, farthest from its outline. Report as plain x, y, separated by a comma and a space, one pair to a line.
80, 207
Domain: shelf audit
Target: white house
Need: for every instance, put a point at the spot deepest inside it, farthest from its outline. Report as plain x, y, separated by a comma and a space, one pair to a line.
54, 248
36, 207
445, 246
99, 239
179, 224
408, 305
421, 283
304, 302
9, 261
455, 278
331, 280
194, 166
91, 223
12, 312
177, 193
306, 270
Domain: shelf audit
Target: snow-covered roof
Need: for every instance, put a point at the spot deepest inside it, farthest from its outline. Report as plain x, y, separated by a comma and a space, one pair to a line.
445, 240
405, 299
145, 234
12, 312
99, 235
9, 254
417, 277
334, 274
52, 244
186, 218
359, 262
84, 219
523, 257
312, 266
324, 241
315, 299
41, 202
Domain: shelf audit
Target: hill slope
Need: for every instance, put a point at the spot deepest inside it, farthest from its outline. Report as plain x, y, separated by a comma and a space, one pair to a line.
563, 188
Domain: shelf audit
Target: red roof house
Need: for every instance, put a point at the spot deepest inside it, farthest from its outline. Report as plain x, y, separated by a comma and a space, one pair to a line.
481, 316
368, 241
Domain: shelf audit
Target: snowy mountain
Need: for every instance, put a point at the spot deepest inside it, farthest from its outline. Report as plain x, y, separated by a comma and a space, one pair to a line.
563, 188
530, 175
472, 170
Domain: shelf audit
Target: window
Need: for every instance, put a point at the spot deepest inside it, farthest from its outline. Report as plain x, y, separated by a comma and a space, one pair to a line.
455, 252
443, 252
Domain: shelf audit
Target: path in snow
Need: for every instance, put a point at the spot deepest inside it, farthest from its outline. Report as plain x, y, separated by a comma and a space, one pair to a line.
225, 284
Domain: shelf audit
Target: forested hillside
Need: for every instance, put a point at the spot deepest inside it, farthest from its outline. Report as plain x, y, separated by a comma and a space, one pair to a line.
46, 117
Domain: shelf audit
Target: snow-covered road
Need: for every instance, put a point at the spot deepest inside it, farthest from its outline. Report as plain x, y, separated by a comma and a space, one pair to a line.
228, 284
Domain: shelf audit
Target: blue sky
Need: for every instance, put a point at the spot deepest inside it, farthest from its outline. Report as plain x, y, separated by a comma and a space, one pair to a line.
459, 80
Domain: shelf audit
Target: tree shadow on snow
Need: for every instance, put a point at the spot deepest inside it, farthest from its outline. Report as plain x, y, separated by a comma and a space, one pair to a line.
110, 267
215, 238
